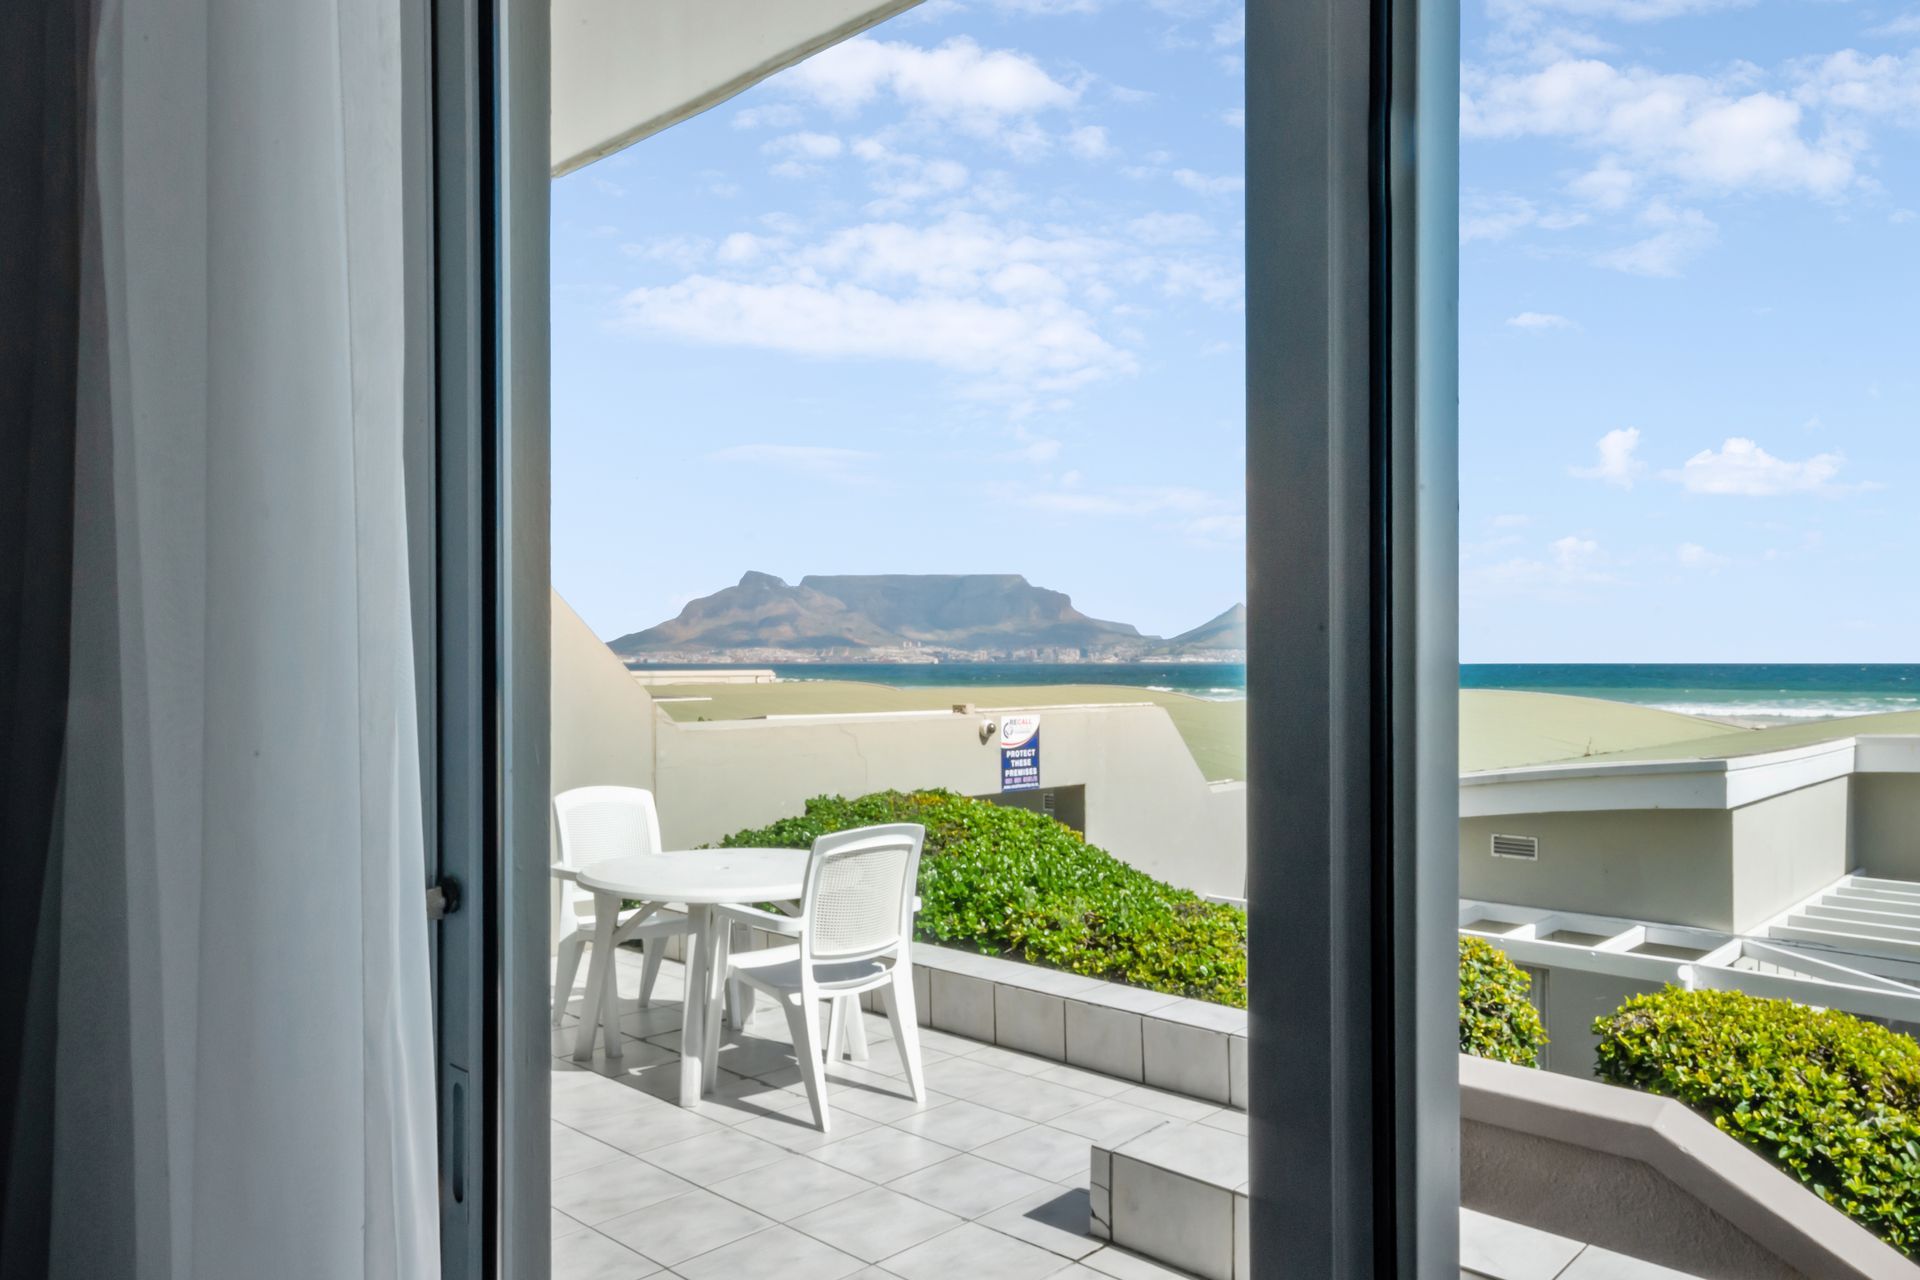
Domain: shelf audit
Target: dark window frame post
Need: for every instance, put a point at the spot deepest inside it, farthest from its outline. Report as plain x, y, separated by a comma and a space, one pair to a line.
484, 522
1352, 667
1352, 476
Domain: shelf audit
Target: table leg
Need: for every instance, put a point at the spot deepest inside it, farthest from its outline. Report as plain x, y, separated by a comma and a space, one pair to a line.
693, 1015
597, 1008
716, 1017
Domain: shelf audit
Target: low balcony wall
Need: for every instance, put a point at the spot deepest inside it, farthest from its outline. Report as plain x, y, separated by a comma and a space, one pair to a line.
1644, 1176
1190, 1047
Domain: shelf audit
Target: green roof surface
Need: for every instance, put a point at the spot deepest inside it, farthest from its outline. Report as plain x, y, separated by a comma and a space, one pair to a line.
1499, 729
1505, 729
1726, 743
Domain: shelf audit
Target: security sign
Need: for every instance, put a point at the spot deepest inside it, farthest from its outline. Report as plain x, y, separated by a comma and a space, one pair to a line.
1019, 753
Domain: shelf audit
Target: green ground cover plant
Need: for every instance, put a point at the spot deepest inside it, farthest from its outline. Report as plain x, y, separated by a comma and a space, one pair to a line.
1497, 1020
1831, 1098
1013, 882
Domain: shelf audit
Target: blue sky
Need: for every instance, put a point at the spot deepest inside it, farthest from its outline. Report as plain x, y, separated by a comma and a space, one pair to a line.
1688, 331
965, 295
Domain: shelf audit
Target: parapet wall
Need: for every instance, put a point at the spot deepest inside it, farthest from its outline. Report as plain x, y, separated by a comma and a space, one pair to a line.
1645, 1176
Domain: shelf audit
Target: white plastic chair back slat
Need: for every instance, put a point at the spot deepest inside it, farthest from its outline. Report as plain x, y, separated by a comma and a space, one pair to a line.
859, 892
597, 823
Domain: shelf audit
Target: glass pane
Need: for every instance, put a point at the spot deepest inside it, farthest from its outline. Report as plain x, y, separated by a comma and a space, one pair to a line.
898, 479
1689, 698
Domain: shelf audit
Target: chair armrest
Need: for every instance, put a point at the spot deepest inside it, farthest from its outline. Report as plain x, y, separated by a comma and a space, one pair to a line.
791, 926
562, 872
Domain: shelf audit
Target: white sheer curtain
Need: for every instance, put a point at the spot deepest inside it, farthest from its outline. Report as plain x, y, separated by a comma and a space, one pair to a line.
245, 1068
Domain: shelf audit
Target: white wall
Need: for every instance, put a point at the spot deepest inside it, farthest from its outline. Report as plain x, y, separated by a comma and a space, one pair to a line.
1788, 847
1146, 800
1886, 825
1668, 865
602, 721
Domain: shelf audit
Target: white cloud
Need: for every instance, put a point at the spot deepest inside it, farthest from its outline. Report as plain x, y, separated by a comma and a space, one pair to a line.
1234, 117
1045, 8
1495, 217
1537, 321
681, 252
957, 79
1741, 467
1525, 12
1171, 228
1570, 564
1232, 30
901, 179
811, 146
1033, 448
1692, 555
1907, 24
1023, 346
773, 115
1616, 463
1678, 236
1701, 132
745, 246
1089, 142
1205, 518
1853, 84
842, 466
1607, 185
800, 151
1209, 184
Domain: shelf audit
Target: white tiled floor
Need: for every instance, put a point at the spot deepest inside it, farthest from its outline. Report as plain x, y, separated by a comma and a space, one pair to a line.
988, 1178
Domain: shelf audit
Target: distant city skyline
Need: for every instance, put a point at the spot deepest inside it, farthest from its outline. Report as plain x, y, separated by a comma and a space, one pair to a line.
965, 295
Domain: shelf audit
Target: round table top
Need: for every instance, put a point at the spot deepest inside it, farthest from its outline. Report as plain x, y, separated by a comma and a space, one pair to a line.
702, 875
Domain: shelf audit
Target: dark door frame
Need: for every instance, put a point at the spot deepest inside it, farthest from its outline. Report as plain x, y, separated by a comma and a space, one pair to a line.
478, 446
1352, 666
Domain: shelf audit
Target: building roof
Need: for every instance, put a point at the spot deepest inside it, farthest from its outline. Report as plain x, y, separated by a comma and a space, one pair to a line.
1505, 729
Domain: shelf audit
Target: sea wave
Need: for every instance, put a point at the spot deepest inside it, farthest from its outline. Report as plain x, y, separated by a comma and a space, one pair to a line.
1809, 709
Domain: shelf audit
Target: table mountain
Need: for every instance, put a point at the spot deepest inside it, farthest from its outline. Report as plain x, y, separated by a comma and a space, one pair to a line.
1224, 634
970, 615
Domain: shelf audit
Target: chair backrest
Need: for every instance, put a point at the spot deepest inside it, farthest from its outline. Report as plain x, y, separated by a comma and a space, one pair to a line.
597, 823
859, 892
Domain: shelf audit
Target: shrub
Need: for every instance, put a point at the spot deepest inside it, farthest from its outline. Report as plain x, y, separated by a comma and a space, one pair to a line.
1831, 1098
1496, 1019
1011, 881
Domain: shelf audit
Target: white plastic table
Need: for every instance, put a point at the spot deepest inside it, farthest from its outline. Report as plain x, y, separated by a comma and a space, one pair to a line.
701, 878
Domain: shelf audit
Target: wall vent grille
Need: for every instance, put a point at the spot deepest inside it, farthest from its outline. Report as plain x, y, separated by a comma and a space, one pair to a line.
1525, 848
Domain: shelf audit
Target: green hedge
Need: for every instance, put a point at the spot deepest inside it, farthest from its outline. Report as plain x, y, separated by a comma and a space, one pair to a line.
1831, 1098
1496, 1019
1011, 881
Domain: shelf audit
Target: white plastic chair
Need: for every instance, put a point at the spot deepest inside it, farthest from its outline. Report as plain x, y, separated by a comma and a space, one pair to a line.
594, 824
853, 932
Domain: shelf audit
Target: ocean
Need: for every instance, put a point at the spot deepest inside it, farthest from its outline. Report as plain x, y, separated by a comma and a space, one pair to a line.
1769, 691
1757, 691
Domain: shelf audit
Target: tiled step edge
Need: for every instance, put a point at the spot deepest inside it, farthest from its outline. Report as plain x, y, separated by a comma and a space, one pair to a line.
1184, 1046
1178, 1195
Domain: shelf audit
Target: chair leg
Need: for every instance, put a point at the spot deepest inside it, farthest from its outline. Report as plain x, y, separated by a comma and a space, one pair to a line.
856, 1045
654, 950
566, 968
803, 1020
906, 1027
836, 1030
